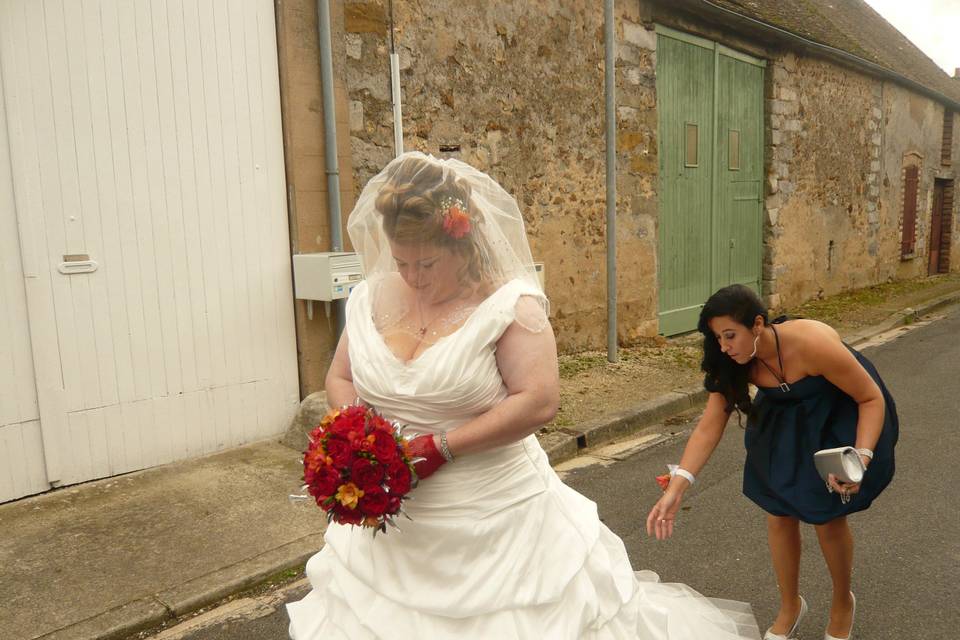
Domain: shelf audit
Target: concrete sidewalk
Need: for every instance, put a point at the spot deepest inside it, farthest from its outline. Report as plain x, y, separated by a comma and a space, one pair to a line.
109, 558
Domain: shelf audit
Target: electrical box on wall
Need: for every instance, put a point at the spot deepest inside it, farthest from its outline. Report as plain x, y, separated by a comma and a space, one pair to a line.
325, 276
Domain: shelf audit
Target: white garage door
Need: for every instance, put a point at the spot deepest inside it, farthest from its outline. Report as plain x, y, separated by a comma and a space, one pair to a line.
146, 167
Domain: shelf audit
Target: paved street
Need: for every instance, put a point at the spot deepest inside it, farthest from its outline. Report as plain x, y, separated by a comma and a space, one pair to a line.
907, 553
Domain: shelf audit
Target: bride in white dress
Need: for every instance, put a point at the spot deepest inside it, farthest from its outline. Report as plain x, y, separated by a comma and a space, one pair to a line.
449, 334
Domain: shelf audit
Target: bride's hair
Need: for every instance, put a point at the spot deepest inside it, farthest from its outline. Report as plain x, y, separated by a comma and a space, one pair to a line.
722, 373
413, 204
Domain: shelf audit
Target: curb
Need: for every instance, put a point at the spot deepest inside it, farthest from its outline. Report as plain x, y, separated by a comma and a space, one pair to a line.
566, 444
902, 317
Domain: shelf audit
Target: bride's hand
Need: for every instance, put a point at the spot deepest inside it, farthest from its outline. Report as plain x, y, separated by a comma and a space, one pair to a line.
664, 513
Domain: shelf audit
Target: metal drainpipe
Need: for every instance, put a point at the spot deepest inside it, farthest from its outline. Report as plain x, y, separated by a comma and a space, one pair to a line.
395, 90
330, 141
609, 80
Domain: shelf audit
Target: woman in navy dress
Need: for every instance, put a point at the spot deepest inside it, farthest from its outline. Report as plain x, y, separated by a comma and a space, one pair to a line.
813, 392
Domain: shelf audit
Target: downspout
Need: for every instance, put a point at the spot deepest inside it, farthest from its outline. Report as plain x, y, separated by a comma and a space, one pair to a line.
330, 141
395, 91
609, 86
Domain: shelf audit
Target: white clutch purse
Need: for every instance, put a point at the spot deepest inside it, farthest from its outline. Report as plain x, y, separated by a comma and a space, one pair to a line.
843, 462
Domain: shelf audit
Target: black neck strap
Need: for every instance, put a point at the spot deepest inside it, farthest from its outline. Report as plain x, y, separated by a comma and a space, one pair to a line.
782, 376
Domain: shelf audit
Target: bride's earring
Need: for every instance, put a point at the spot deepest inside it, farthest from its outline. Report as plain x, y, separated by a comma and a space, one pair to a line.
755, 341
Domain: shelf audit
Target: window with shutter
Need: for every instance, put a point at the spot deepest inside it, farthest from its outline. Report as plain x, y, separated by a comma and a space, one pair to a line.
910, 187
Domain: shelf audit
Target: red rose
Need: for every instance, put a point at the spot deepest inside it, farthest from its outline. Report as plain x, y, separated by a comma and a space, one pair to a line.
374, 501
399, 478
348, 420
342, 429
345, 515
339, 451
385, 447
355, 417
365, 474
324, 482
379, 424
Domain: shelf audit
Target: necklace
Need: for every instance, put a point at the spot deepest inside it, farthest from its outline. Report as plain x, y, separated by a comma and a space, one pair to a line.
422, 331
423, 326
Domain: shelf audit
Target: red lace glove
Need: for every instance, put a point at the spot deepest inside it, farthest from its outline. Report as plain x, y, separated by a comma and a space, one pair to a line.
425, 447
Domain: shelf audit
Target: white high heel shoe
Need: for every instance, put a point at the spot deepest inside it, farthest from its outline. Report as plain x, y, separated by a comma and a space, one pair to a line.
769, 635
853, 613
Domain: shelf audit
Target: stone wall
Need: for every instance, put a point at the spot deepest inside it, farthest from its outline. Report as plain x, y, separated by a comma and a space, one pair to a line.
518, 88
825, 226
913, 132
838, 143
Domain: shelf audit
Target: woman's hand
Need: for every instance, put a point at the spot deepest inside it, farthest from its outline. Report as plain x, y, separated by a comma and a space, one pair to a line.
664, 513
844, 488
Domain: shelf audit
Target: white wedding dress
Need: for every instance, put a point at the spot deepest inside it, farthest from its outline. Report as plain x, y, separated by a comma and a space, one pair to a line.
498, 547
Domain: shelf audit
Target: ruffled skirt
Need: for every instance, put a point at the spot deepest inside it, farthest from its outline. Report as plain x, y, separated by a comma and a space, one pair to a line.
499, 548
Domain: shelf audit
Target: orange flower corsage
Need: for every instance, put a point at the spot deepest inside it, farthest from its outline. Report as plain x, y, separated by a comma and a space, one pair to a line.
456, 220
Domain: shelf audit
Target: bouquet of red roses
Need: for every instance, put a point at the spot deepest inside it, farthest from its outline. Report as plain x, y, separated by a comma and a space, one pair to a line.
358, 468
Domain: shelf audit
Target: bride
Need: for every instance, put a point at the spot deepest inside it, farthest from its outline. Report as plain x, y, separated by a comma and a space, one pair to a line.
449, 334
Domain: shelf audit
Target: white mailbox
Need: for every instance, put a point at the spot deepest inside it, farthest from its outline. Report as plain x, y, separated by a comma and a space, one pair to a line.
325, 276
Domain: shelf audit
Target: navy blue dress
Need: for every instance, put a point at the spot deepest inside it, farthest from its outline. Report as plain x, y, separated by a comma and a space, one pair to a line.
784, 430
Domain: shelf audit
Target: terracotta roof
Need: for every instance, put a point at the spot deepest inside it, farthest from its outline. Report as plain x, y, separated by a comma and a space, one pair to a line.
851, 26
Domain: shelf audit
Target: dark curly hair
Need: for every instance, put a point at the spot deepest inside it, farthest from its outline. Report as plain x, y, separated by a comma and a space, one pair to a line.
721, 373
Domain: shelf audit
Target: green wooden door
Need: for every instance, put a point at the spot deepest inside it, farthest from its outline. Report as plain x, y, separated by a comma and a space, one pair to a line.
738, 239
710, 109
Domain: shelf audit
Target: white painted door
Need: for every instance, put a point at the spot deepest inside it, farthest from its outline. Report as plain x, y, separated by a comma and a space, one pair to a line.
147, 136
21, 450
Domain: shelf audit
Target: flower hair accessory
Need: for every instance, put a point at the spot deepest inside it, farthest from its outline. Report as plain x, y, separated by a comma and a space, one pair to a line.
456, 220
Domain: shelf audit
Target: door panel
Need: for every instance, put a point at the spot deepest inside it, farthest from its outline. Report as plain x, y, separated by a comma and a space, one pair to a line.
738, 234
710, 227
684, 104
